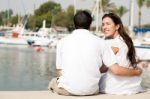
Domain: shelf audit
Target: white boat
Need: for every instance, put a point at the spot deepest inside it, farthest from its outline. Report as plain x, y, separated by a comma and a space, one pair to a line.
142, 49
35, 39
13, 41
11, 37
20, 36
44, 37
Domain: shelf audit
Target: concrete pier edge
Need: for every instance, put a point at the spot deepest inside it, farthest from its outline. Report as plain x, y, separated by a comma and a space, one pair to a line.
49, 95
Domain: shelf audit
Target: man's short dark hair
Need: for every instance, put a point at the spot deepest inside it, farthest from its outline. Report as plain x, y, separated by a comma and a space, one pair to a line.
82, 20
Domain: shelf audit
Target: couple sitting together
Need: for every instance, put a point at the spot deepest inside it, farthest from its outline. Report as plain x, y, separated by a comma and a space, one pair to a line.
82, 58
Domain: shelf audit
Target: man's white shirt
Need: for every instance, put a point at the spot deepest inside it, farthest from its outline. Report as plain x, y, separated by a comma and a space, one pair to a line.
80, 56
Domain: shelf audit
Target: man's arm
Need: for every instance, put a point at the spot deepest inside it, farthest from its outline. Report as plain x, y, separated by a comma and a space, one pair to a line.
122, 71
59, 72
58, 60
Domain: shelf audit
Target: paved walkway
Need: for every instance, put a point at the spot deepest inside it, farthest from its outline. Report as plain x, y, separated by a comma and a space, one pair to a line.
49, 95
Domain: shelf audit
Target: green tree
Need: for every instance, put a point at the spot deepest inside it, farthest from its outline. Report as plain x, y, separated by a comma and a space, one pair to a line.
106, 5
46, 12
31, 23
1, 20
14, 19
49, 6
148, 3
39, 20
9, 13
5, 16
120, 11
60, 19
70, 16
65, 18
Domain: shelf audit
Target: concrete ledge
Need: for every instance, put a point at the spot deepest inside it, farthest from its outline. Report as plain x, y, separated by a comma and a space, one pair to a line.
49, 95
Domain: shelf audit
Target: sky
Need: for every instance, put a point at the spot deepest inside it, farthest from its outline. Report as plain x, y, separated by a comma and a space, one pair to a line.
27, 6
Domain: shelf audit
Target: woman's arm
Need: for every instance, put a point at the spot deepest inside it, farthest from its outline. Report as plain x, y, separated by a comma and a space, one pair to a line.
123, 71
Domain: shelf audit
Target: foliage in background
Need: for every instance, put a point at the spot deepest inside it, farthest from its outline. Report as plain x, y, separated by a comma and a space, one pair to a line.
120, 11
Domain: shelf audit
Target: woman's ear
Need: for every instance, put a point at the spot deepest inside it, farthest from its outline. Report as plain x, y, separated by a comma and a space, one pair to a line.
117, 27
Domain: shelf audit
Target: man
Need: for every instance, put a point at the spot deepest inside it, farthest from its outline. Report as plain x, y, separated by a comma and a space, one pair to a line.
79, 57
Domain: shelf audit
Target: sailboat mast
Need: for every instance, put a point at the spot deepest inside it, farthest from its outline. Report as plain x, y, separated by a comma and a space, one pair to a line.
95, 12
74, 7
97, 16
131, 15
8, 15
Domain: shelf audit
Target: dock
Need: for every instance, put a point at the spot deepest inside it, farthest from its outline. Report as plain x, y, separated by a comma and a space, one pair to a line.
49, 95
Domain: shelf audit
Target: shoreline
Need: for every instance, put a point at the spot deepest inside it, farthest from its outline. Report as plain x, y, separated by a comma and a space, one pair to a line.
49, 95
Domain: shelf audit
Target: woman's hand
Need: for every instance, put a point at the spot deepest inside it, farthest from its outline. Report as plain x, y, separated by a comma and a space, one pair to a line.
143, 65
103, 69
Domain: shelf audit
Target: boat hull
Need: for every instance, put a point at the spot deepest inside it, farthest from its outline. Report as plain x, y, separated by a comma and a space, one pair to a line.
143, 52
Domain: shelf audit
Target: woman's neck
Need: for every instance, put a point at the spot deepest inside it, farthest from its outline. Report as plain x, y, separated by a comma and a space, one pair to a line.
116, 34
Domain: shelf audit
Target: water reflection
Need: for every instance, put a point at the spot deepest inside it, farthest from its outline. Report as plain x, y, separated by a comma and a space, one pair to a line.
22, 68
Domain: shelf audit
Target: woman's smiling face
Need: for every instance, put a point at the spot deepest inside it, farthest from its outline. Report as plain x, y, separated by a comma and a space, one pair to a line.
109, 28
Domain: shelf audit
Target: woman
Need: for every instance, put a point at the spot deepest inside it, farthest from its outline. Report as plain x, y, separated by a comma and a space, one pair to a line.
124, 50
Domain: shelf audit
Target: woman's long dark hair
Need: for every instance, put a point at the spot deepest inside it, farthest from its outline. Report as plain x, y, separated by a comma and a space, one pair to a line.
131, 55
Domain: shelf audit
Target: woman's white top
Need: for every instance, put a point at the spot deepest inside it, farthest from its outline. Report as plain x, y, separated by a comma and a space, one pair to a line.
114, 84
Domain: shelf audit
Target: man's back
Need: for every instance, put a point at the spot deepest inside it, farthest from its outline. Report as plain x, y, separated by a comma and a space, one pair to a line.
80, 61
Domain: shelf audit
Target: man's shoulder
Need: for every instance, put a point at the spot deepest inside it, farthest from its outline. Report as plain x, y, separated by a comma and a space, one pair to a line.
101, 40
64, 39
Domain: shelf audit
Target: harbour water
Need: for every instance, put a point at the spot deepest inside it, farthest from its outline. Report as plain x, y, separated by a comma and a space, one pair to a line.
25, 68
